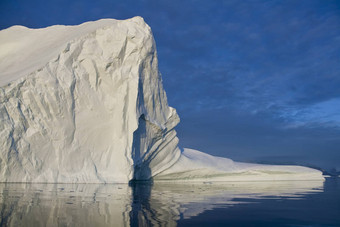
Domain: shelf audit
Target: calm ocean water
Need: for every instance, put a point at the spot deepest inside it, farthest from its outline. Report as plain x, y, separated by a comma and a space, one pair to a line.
287, 203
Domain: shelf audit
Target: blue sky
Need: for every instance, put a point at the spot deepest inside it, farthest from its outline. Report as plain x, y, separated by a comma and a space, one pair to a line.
251, 80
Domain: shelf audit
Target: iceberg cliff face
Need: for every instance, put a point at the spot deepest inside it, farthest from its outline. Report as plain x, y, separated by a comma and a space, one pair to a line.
92, 108
86, 104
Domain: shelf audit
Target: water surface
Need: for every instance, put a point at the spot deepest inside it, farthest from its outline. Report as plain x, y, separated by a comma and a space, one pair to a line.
285, 203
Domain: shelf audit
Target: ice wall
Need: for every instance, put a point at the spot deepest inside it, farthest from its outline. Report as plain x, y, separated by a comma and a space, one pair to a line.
83, 104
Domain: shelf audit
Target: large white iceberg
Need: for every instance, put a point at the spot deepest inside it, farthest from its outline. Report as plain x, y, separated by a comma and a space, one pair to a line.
86, 104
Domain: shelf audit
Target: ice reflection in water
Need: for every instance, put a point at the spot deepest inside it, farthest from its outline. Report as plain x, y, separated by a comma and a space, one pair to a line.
137, 204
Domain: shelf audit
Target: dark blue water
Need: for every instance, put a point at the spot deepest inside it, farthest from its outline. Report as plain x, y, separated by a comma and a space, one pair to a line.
311, 209
308, 203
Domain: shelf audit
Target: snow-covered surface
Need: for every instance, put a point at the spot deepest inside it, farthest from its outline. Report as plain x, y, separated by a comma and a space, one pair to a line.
24, 50
197, 166
86, 104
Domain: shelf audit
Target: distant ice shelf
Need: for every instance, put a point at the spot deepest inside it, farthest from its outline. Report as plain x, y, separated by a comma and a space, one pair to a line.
86, 104
194, 165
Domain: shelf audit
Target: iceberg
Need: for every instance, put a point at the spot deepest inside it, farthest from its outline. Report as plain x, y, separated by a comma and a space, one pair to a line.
197, 166
86, 104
